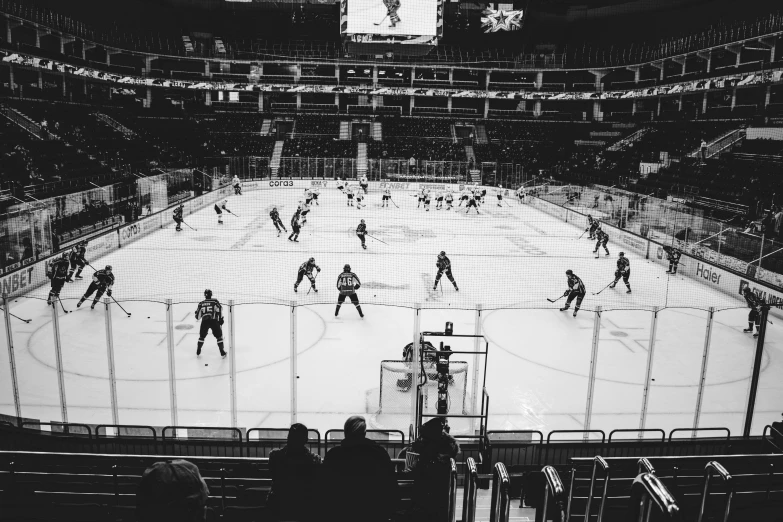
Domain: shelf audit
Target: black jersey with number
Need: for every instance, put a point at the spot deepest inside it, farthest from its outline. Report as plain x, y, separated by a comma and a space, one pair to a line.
348, 283
576, 284
103, 278
623, 264
274, 215
209, 309
443, 263
361, 229
59, 269
77, 254
307, 267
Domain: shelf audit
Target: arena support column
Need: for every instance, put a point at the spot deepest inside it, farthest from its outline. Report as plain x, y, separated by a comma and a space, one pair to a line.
232, 361
9, 337
294, 375
415, 369
115, 416
593, 366
172, 365
476, 373
648, 373
754, 382
703, 375
58, 355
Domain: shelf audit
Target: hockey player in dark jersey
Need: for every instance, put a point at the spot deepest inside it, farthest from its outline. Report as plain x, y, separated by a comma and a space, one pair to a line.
755, 303
444, 266
58, 273
294, 228
361, 231
576, 289
178, 217
603, 239
219, 208
673, 255
210, 311
276, 221
472, 203
592, 225
76, 257
102, 281
624, 271
348, 283
306, 269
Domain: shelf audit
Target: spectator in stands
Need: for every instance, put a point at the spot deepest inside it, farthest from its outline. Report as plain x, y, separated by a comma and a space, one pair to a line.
430, 467
293, 469
171, 491
360, 485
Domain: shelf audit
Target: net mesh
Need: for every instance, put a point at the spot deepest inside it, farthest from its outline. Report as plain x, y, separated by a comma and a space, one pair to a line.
396, 388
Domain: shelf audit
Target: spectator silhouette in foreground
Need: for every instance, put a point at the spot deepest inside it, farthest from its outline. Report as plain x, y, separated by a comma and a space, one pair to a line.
171, 492
430, 466
293, 470
359, 485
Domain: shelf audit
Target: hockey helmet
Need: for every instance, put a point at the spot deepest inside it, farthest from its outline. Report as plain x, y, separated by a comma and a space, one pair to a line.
208, 293
442, 253
746, 290
362, 221
569, 272
347, 268
311, 260
83, 242
589, 216
622, 254
65, 255
108, 268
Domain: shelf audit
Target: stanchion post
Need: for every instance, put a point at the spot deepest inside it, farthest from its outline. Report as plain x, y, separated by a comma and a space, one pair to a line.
294, 375
703, 375
115, 417
648, 373
754, 381
415, 377
9, 336
476, 370
232, 361
58, 355
172, 362
593, 365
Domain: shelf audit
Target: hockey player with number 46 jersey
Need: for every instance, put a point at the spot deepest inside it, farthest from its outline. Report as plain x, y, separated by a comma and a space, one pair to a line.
348, 283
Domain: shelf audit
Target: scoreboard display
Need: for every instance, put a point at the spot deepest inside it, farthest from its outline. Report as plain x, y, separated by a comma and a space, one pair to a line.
392, 21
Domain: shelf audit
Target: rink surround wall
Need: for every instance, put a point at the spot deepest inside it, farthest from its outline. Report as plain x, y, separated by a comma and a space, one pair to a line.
32, 276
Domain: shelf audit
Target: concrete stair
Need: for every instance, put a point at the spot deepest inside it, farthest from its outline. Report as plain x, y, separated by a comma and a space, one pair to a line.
361, 159
114, 124
277, 153
470, 153
377, 131
481, 135
265, 126
345, 130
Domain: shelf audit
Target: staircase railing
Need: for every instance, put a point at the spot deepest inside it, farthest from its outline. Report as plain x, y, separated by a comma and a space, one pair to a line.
647, 494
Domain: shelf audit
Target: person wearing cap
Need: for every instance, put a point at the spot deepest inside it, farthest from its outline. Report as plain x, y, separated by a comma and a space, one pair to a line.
172, 491
359, 482
294, 471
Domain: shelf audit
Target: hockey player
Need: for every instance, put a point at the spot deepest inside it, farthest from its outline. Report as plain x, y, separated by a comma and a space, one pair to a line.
237, 186
102, 281
363, 184
349, 193
361, 231
427, 198
386, 197
603, 239
306, 269
576, 289
178, 217
211, 314
755, 303
76, 258
219, 208
294, 228
464, 195
521, 194
359, 199
392, 6
500, 195
303, 209
673, 255
592, 226
422, 195
315, 192
58, 273
341, 185
472, 203
276, 221
449, 200
444, 266
348, 283
308, 196
438, 200
624, 271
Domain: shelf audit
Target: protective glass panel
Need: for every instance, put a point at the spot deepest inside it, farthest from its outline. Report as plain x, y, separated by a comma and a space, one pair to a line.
769, 397
537, 368
141, 363
679, 344
6, 387
623, 350
263, 365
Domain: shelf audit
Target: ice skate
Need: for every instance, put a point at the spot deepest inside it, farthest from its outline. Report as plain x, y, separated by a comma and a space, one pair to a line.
575, 311
563, 309
748, 330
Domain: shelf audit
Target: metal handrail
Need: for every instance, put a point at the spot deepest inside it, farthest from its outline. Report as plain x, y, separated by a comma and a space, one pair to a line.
597, 461
645, 466
500, 494
452, 515
470, 491
553, 487
648, 489
715, 468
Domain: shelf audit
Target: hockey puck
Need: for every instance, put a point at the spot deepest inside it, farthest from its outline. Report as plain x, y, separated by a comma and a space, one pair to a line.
147, 317
206, 365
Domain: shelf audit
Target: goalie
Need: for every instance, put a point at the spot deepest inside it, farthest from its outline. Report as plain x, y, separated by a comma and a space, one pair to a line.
404, 385
392, 6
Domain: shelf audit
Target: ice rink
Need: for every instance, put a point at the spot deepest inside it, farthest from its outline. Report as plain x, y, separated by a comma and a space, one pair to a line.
508, 259
417, 17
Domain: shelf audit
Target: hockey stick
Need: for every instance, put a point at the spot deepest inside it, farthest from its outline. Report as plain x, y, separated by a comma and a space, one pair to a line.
395, 204
227, 210
12, 315
384, 18
555, 300
604, 288
191, 228
118, 304
61, 304
583, 235
375, 238
312, 283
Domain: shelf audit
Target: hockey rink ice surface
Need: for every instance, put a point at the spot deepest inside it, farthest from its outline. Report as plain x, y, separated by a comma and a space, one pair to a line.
507, 259
417, 17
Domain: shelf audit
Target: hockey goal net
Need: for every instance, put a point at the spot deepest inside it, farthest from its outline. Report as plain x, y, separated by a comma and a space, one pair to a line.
397, 386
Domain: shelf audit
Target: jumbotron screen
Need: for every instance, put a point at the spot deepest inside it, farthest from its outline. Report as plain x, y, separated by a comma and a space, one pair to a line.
395, 21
